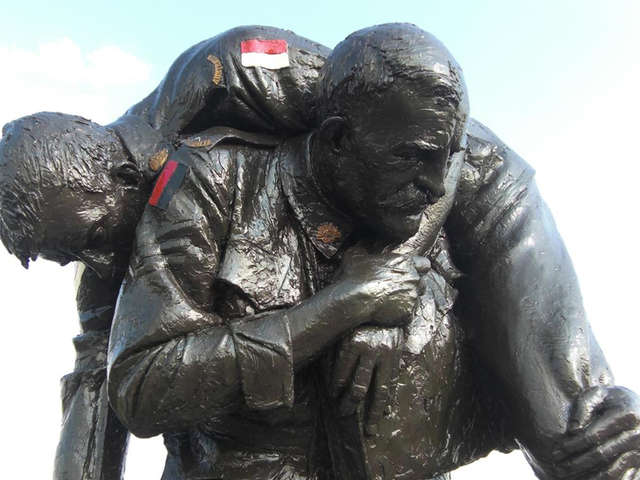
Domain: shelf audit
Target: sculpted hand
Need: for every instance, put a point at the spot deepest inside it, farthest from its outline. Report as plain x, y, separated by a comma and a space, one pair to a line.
387, 284
603, 441
366, 367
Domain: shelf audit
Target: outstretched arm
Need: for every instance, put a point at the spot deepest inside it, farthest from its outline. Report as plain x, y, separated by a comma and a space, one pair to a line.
523, 309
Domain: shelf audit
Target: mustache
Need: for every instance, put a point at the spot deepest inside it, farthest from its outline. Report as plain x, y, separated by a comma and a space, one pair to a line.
407, 197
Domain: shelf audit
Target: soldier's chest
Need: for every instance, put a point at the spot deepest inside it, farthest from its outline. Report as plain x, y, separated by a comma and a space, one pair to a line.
267, 262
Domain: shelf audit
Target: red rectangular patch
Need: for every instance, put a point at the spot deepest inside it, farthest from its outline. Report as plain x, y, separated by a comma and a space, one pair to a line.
162, 181
271, 47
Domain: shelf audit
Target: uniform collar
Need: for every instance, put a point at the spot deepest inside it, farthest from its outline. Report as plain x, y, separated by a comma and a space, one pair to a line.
146, 146
326, 228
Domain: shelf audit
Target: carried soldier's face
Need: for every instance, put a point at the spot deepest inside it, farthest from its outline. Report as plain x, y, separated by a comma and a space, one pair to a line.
402, 142
69, 193
93, 228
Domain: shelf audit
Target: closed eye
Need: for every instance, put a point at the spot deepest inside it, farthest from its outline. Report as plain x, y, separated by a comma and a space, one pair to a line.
96, 237
419, 150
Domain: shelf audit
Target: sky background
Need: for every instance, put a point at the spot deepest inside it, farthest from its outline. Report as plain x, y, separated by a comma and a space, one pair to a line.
558, 81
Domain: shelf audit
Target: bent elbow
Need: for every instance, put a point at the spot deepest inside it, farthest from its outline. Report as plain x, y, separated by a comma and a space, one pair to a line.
126, 390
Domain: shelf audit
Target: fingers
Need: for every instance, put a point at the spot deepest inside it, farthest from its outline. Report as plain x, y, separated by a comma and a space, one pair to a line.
344, 367
603, 437
356, 391
379, 399
603, 454
367, 368
422, 264
584, 407
632, 474
402, 264
620, 468
384, 380
608, 425
599, 414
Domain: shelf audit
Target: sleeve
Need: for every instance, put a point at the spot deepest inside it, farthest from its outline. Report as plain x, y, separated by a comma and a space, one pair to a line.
520, 296
209, 86
173, 361
92, 442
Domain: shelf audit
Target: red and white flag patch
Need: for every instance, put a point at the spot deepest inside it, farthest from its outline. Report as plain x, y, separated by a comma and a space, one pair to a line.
271, 54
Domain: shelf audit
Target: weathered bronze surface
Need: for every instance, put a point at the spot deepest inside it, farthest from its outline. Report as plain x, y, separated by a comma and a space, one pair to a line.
328, 271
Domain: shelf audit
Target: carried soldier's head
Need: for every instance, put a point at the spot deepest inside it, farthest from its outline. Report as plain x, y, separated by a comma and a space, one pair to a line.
68, 192
392, 109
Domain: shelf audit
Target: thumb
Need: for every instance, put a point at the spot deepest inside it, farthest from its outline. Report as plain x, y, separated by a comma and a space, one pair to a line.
584, 408
422, 264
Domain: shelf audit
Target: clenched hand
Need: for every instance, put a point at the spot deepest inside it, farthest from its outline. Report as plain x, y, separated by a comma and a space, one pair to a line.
603, 438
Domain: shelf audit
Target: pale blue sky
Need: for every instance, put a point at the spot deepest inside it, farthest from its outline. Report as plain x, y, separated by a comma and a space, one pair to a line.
506, 48
556, 80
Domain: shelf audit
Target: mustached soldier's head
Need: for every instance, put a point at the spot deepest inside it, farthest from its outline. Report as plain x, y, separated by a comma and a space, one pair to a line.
393, 109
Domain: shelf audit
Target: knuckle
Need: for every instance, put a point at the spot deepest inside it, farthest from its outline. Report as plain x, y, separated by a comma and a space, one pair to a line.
629, 459
600, 454
630, 419
592, 438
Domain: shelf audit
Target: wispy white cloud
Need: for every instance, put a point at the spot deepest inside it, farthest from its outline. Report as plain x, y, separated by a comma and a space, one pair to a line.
61, 76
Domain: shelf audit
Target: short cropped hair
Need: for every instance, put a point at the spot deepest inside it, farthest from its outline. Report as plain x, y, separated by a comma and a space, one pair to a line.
371, 60
41, 153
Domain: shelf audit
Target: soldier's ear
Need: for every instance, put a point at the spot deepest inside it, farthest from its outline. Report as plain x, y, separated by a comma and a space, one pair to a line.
333, 133
127, 173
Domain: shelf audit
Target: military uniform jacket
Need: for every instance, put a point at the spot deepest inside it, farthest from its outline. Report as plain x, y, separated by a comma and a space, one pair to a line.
200, 348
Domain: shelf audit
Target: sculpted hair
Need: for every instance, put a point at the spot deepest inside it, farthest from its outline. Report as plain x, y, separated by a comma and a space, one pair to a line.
43, 153
370, 60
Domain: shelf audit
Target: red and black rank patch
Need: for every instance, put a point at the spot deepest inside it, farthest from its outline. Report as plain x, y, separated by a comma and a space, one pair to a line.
167, 184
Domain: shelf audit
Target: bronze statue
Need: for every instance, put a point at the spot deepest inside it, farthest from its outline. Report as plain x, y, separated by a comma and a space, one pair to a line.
322, 304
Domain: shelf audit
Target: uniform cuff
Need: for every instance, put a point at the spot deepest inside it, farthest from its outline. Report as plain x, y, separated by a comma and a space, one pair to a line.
265, 359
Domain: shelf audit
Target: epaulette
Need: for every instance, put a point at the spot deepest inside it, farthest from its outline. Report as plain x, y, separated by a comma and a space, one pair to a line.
145, 145
169, 181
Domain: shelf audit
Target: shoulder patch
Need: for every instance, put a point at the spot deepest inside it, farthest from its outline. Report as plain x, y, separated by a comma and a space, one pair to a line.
270, 54
167, 184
